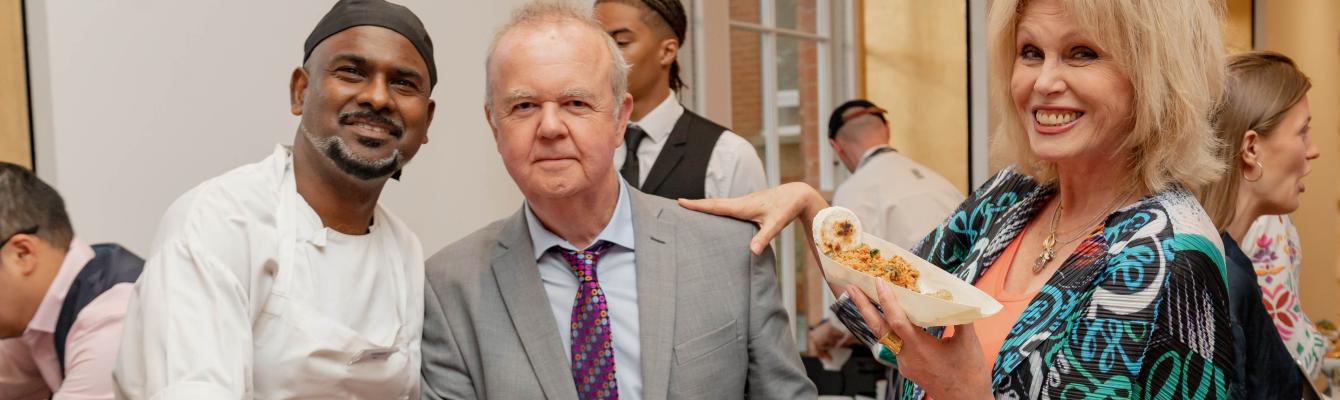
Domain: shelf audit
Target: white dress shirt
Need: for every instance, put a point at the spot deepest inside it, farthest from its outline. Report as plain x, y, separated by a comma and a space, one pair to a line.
616, 271
896, 198
733, 170
247, 295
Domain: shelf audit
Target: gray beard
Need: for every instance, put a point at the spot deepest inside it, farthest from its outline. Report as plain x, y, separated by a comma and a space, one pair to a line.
333, 147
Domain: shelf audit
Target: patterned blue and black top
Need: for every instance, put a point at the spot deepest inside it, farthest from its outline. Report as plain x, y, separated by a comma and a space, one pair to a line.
1139, 310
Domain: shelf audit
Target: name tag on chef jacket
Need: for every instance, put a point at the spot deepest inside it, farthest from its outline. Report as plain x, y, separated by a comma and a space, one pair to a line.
379, 354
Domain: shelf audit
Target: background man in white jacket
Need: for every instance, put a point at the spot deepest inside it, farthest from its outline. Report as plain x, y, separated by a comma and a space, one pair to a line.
896, 198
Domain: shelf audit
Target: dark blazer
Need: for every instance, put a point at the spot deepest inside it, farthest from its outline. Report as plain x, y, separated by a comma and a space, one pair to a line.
1264, 367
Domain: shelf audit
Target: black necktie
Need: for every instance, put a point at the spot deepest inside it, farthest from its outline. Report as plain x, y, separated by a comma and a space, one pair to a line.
632, 138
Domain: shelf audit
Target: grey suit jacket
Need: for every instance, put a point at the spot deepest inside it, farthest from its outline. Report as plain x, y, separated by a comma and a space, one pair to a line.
711, 317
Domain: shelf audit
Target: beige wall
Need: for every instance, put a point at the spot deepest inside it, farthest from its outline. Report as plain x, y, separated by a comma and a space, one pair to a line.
1238, 25
916, 67
1307, 31
14, 135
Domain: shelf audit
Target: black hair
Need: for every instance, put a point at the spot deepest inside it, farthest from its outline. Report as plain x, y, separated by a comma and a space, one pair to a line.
26, 202
667, 15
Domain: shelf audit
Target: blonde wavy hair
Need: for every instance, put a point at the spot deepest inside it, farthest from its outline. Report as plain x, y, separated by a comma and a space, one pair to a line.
1262, 86
1172, 52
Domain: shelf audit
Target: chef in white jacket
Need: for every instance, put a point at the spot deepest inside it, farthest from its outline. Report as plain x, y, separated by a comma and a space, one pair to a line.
896, 198
285, 278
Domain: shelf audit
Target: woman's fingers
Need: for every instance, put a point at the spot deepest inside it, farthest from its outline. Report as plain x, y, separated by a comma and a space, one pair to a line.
893, 312
771, 209
766, 231
753, 207
872, 317
722, 207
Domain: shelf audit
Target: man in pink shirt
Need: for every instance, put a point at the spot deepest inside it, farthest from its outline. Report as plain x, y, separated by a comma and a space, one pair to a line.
61, 301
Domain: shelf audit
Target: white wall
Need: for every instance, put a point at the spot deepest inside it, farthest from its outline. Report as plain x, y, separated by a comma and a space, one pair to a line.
136, 102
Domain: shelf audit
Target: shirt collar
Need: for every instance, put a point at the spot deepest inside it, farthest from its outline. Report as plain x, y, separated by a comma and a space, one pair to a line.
618, 231
44, 319
661, 120
871, 152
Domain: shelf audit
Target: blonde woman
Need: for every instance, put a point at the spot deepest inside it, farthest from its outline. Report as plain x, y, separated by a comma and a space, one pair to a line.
1263, 124
1110, 271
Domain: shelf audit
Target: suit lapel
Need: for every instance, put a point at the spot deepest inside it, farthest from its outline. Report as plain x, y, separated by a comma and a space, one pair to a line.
671, 154
655, 254
525, 298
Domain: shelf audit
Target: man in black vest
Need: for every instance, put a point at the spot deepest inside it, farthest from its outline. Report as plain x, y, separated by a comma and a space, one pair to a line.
669, 151
61, 301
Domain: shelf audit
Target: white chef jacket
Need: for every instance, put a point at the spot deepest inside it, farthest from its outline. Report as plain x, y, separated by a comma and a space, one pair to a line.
895, 198
733, 170
234, 301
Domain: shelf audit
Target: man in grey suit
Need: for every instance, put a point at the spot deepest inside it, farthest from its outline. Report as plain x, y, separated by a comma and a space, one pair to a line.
679, 308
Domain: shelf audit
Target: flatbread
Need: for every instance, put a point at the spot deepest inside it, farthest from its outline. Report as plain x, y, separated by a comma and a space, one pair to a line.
837, 229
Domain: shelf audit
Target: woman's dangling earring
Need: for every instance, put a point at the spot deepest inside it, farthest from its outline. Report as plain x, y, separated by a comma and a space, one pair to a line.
1259, 176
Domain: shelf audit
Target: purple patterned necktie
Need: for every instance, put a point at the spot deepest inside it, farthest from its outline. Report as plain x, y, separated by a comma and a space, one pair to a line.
592, 348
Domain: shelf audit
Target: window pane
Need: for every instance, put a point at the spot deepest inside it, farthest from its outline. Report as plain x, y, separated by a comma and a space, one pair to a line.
797, 105
795, 128
796, 14
788, 89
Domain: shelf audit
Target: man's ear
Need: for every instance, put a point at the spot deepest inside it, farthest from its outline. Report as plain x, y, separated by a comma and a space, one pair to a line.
622, 118
432, 108
297, 90
669, 52
488, 117
626, 111
840, 152
21, 255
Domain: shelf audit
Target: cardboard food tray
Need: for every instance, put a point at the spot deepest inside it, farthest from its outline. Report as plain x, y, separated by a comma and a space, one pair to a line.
968, 304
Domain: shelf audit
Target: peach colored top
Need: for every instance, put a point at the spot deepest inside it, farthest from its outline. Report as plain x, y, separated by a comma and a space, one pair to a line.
991, 331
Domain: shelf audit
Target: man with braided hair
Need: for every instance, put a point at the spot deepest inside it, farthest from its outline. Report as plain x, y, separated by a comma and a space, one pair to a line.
669, 151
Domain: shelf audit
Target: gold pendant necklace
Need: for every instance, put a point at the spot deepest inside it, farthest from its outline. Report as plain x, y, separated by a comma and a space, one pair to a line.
1049, 244
1048, 252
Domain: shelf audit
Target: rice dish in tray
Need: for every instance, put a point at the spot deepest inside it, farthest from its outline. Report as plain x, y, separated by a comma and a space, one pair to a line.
929, 295
867, 260
839, 238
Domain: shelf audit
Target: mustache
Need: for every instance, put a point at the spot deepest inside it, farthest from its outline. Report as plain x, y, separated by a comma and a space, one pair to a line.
333, 147
349, 118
